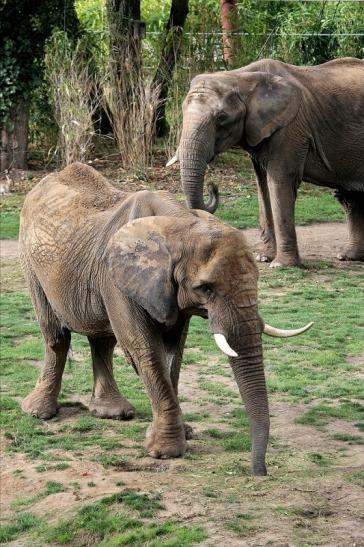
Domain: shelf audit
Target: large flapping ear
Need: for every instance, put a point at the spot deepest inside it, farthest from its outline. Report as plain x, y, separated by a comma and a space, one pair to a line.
272, 104
141, 266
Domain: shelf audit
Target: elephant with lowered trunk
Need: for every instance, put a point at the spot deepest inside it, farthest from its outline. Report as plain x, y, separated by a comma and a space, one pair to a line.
132, 268
297, 123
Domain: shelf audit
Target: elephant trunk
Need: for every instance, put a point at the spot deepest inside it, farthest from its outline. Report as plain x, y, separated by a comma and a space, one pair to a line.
249, 374
241, 339
194, 152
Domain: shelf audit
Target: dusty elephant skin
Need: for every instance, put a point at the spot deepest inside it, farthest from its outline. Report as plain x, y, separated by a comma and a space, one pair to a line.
297, 123
132, 268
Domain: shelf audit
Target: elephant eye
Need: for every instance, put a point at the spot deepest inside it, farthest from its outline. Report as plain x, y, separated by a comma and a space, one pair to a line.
204, 289
222, 118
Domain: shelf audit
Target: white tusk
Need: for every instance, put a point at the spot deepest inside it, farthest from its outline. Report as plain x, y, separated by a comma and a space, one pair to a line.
284, 333
224, 346
172, 161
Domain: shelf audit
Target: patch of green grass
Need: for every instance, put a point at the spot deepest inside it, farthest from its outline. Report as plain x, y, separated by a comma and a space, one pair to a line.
308, 512
20, 524
357, 477
320, 459
86, 423
106, 523
347, 438
238, 441
219, 390
240, 211
12, 278
210, 492
194, 417
112, 460
240, 525
44, 467
313, 204
178, 536
9, 215
320, 414
52, 487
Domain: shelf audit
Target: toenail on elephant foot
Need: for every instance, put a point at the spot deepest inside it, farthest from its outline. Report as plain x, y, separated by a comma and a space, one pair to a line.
351, 254
38, 405
262, 257
160, 450
284, 262
114, 409
163, 448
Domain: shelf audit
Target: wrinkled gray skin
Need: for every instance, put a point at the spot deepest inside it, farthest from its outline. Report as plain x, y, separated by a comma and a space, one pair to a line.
132, 269
297, 123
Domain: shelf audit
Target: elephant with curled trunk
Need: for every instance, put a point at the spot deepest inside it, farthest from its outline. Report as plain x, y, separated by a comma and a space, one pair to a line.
297, 123
132, 268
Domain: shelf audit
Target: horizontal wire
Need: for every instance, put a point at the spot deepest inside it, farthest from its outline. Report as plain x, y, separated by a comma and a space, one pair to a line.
157, 33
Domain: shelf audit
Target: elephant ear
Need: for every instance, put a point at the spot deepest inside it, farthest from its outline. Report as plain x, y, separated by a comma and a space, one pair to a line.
141, 266
272, 104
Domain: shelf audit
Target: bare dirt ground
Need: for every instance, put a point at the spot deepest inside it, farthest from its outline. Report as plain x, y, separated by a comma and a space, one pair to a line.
316, 241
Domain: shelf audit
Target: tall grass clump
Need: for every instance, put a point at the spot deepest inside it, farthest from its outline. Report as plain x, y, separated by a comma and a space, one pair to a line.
131, 111
74, 94
130, 100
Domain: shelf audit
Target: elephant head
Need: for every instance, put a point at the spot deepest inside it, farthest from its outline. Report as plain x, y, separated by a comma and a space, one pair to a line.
173, 267
226, 109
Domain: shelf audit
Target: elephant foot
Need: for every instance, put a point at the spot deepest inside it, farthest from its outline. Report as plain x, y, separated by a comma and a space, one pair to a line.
114, 407
285, 261
161, 446
40, 405
351, 253
265, 254
259, 469
262, 257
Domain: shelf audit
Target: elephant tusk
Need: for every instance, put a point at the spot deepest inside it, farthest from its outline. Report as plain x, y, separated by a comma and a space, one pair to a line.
224, 346
172, 161
284, 333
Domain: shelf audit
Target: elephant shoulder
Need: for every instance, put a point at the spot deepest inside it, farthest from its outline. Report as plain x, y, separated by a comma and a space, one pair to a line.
93, 189
271, 66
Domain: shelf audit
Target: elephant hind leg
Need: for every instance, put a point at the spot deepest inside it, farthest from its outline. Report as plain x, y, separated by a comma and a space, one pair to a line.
42, 401
353, 204
268, 248
106, 400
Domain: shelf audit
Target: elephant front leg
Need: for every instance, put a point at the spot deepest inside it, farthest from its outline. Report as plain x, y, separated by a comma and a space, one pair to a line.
174, 342
283, 197
267, 251
353, 203
142, 341
166, 436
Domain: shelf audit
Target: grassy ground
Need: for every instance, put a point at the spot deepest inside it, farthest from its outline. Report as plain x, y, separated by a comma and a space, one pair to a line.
76, 480
108, 493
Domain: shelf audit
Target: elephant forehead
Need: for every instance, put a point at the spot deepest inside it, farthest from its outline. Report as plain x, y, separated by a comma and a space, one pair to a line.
143, 246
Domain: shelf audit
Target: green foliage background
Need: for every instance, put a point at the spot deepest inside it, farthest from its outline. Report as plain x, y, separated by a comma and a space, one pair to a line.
286, 30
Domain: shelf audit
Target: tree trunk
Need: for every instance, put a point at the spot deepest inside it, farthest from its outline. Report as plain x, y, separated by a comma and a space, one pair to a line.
170, 53
14, 142
20, 135
5, 156
124, 40
228, 17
